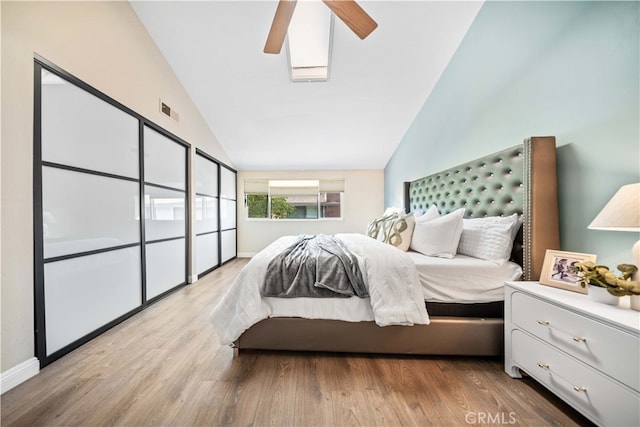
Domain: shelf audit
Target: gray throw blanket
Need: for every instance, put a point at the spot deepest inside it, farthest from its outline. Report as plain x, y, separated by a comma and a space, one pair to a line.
318, 266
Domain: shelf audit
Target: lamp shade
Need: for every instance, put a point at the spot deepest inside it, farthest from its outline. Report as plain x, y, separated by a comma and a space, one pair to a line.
622, 213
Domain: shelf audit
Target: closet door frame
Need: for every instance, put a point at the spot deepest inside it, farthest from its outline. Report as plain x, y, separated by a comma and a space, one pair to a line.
219, 230
235, 228
145, 241
217, 196
40, 335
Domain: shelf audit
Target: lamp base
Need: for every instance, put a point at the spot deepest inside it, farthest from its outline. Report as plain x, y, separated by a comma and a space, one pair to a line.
635, 259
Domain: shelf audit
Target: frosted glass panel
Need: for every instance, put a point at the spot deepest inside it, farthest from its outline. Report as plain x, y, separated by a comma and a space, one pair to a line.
227, 184
79, 129
206, 214
82, 212
85, 293
206, 252
227, 214
164, 160
228, 245
164, 213
206, 176
166, 266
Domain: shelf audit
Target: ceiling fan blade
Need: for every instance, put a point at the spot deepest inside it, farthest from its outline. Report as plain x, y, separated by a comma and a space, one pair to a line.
353, 15
279, 26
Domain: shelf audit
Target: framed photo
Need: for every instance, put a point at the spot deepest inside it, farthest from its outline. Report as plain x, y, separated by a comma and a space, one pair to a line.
558, 270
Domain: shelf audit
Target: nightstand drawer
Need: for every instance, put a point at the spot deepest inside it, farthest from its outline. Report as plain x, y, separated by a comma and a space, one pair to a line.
607, 349
584, 388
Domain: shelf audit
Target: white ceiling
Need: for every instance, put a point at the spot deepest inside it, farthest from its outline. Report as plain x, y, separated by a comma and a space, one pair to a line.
265, 122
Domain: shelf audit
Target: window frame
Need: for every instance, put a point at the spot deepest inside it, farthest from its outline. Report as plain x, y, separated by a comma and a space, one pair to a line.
319, 203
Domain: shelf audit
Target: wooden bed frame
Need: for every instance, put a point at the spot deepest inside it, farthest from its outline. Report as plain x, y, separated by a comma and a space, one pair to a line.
520, 179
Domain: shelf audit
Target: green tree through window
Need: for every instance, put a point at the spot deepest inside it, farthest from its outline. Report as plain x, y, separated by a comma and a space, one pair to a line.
258, 206
280, 208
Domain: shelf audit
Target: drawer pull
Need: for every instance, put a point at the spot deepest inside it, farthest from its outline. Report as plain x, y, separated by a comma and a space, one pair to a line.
546, 323
546, 367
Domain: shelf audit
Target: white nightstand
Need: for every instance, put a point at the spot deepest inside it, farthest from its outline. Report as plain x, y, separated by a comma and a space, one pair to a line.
586, 352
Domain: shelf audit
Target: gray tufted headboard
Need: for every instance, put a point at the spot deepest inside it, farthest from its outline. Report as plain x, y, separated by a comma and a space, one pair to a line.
520, 179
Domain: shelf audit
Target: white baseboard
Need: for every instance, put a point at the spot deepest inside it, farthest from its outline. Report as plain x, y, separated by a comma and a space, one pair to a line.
19, 374
193, 278
245, 254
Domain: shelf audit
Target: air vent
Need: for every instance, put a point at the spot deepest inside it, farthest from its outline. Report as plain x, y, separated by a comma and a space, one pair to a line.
168, 111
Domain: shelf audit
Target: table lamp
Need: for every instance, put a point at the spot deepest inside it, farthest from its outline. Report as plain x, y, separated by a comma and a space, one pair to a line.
622, 213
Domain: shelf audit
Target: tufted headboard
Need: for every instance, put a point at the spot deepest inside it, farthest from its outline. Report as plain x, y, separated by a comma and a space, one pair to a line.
520, 179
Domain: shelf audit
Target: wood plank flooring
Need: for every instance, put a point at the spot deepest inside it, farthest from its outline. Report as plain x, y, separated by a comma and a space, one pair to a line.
164, 367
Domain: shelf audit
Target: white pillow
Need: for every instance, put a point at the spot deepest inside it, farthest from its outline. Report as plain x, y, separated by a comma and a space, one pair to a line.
397, 230
489, 238
440, 236
431, 213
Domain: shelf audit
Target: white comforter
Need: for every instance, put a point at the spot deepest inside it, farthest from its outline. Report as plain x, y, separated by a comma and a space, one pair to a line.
396, 297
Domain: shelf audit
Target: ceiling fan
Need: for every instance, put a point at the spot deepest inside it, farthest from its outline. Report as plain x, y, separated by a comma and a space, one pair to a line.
347, 10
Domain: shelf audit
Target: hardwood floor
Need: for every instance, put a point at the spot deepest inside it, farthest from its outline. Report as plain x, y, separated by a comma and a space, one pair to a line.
164, 367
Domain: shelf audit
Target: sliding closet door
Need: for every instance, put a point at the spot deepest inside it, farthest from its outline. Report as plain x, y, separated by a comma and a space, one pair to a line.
207, 208
88, 259
228, 213
165, 201
110, 210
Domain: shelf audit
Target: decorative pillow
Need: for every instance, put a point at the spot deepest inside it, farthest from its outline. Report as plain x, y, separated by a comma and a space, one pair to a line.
431, 213
489, 238
397, 230
373, 228
440, 236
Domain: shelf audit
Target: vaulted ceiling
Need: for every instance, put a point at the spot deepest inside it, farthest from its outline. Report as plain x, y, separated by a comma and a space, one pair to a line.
266, 122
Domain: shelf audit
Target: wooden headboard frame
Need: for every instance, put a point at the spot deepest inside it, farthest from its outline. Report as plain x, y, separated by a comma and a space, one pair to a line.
520, 179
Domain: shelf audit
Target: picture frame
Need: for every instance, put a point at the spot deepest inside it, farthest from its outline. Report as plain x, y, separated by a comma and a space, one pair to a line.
557, 271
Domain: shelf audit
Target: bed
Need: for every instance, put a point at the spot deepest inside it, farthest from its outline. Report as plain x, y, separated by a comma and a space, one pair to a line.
518, 180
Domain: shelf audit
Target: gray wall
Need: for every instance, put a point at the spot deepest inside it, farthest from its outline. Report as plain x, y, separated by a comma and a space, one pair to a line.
569, 69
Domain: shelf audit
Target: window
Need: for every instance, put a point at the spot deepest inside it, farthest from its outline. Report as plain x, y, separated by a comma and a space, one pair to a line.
293, 199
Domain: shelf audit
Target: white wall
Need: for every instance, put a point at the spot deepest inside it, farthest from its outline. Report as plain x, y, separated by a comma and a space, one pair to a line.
363, 200
105, 45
